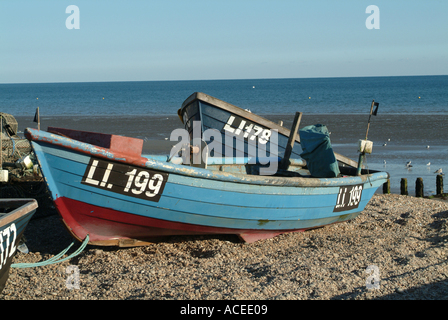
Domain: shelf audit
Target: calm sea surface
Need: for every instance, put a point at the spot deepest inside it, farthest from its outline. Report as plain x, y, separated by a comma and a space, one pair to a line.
413, 112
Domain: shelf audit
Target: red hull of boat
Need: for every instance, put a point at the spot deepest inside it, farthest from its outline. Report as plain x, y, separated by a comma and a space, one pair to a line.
111, 227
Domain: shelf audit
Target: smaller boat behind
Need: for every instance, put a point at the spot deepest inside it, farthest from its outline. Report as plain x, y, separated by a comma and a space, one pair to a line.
247, 128
14, 217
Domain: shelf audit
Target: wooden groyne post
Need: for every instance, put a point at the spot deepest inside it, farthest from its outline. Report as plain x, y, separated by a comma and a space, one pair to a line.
419, 193
404, 186
386, 187
439, 184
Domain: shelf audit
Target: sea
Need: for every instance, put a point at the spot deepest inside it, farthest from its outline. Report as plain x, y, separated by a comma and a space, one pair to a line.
411, 122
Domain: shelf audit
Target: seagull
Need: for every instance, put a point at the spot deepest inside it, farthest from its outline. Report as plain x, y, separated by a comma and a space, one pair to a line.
439, 171
384, 162
427, 147
384, 144
408, 164
428, 164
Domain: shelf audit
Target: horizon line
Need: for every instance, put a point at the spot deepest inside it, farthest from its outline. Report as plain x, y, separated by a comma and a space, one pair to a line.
243, 79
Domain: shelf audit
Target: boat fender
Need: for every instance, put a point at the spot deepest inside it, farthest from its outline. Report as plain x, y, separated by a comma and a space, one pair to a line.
176, 160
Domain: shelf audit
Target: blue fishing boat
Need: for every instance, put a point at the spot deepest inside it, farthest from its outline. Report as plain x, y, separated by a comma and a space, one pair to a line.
102, 186
14, 217
248, 131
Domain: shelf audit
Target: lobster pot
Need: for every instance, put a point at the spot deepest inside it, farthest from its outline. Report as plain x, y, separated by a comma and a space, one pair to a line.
10, 125
13, 147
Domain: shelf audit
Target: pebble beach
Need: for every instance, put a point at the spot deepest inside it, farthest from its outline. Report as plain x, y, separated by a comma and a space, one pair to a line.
396, 249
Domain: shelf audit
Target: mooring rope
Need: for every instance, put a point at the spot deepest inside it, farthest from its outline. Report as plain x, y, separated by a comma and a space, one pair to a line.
55, 258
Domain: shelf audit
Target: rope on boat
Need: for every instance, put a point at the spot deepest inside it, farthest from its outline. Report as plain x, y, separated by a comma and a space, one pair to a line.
55, 258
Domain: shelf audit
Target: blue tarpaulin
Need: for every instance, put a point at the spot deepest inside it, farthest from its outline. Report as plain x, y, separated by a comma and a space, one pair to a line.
317, 151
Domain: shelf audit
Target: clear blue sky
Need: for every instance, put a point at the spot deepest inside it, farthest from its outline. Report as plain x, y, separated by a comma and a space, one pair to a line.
137, 40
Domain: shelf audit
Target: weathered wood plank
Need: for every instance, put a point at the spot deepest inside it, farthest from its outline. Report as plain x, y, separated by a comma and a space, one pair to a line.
292, 137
